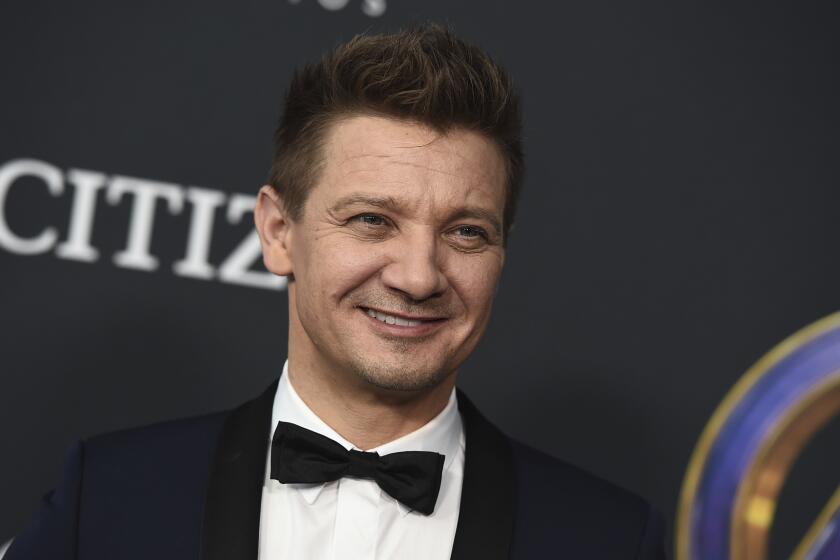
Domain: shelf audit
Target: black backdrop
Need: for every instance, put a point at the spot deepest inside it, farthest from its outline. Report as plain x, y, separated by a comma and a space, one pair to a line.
680, 217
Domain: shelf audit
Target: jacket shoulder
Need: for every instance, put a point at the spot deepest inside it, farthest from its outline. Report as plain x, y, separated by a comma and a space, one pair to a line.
127, 494
177, 439
558, 502
150, 480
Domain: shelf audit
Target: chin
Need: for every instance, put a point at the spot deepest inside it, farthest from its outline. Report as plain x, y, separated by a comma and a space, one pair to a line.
401, 377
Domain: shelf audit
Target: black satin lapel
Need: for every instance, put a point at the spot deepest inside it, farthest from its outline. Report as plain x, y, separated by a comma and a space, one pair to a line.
230, 526
485, 521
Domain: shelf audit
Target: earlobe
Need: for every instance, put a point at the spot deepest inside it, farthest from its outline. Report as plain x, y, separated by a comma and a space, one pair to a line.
273, 227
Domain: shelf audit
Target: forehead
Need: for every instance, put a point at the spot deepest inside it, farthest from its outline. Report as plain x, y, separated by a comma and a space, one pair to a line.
412, 161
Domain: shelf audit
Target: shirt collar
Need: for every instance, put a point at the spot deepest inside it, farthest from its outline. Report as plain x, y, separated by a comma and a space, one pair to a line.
442, 434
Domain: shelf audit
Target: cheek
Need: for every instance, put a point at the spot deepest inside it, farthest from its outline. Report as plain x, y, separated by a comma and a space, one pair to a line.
335, 267
476, 284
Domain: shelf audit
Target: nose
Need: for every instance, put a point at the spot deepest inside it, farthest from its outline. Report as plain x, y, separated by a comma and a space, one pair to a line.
414, 268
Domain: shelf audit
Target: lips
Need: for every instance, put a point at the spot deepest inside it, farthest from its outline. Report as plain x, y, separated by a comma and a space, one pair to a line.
407, 323
393, 319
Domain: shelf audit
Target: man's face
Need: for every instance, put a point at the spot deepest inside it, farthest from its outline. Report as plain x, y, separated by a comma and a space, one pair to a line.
396, 257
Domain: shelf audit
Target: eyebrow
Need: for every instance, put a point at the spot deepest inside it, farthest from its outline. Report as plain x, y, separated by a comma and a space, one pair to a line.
387, 202
391, 203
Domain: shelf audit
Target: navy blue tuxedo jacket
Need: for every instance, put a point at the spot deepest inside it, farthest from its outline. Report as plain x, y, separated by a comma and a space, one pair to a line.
191, 489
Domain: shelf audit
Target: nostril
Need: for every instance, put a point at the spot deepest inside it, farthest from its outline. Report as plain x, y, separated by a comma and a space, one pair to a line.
415, 282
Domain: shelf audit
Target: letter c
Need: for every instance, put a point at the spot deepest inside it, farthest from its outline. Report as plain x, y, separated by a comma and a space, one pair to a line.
52, 176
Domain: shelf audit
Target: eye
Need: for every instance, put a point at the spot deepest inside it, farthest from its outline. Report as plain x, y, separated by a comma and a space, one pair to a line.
471, 232
370, 219
371, 226
468, 238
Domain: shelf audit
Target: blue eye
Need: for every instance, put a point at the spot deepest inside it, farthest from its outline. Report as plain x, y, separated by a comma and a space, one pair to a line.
471, 231
371, 219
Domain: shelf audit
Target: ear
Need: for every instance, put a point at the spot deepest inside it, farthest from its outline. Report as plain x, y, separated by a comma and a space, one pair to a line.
273, 226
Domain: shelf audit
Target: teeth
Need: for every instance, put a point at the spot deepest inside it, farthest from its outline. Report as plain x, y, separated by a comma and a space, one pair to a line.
392, 320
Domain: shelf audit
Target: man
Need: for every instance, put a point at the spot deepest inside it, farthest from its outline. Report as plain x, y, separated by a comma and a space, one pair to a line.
397, 167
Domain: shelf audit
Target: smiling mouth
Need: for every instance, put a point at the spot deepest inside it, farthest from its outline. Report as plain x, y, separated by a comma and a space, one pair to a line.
399, 321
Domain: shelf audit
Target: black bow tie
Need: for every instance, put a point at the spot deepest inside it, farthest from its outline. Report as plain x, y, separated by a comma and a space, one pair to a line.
410, 477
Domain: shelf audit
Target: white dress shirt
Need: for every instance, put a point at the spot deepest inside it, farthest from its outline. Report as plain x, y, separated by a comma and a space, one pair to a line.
351, 518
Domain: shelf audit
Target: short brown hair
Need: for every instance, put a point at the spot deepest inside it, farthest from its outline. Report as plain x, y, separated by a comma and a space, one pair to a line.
424, 74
